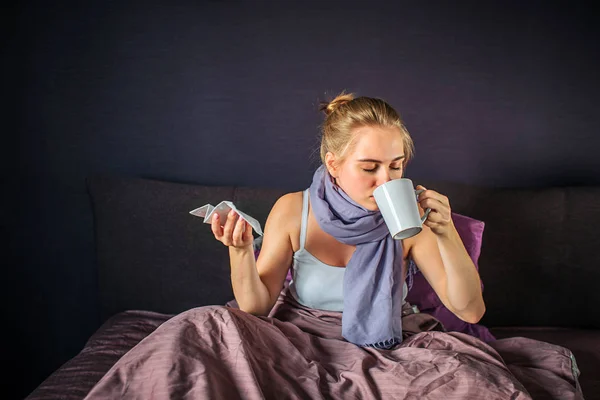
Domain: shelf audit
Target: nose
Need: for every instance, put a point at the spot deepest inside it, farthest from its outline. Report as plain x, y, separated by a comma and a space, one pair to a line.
383, 176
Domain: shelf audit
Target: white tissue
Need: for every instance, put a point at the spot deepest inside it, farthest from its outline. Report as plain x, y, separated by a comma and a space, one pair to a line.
207, 211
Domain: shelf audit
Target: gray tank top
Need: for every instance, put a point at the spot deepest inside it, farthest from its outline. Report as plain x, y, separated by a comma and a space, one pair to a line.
314, 283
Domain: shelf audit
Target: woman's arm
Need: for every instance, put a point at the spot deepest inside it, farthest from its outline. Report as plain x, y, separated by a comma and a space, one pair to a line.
441, 256
256, 284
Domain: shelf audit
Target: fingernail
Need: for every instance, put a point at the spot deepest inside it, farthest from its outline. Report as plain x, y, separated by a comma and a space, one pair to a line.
215, 216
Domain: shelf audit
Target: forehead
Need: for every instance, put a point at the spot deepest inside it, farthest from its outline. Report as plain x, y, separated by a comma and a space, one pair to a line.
380, 143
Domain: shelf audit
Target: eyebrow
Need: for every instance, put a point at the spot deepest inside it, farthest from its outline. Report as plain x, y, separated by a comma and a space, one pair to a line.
377, 161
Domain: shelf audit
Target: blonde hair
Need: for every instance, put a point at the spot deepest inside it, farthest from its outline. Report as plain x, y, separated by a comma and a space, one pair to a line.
345, 113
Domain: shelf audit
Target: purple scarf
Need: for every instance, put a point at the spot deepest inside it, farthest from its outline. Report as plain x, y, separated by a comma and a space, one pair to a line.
373, 278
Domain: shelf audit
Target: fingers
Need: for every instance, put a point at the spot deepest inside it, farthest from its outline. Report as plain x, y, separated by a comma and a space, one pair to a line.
439, 212
235, 231
439, 204
247, 236
229, 227
215, 226
238, 232
438, 218
432, 194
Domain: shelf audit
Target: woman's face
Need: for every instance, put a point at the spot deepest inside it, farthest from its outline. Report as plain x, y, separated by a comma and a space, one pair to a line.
377, 157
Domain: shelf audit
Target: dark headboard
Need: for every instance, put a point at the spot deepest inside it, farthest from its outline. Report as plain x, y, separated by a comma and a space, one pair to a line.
152, 254
540, 260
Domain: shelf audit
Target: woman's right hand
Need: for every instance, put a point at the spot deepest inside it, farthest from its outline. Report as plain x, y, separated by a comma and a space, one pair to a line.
235, 232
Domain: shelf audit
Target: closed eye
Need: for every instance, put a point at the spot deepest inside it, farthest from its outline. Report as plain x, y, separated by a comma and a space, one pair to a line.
375, 169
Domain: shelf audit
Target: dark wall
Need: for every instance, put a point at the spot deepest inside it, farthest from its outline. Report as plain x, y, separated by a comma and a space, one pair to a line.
226, 92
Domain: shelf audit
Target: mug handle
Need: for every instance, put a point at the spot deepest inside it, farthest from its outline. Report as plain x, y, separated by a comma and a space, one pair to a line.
428, 210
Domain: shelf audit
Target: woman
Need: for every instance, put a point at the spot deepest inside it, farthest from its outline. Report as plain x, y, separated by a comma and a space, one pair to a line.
318, 340
364, 144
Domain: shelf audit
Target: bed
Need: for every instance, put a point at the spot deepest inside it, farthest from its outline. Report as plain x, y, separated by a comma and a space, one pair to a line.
160, 270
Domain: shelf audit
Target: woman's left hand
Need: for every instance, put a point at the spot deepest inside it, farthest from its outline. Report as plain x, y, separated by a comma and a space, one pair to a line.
439, 219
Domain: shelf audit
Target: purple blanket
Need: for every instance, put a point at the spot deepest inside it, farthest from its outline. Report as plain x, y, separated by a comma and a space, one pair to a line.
223, 353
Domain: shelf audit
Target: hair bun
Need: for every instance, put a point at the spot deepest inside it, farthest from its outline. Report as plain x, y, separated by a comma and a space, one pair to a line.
334, 104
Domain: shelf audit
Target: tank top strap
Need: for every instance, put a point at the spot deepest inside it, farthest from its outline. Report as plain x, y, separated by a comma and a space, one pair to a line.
304, 224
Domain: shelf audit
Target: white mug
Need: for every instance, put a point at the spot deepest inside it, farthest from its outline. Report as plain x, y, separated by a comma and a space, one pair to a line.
397, 201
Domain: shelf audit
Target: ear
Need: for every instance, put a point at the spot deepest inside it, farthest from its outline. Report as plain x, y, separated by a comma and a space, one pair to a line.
330, 164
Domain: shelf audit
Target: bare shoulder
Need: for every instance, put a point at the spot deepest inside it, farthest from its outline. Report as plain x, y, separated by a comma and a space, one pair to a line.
285, 214
288, 204
282, 225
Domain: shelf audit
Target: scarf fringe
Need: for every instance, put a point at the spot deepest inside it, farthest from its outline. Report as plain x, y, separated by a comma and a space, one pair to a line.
384, 345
